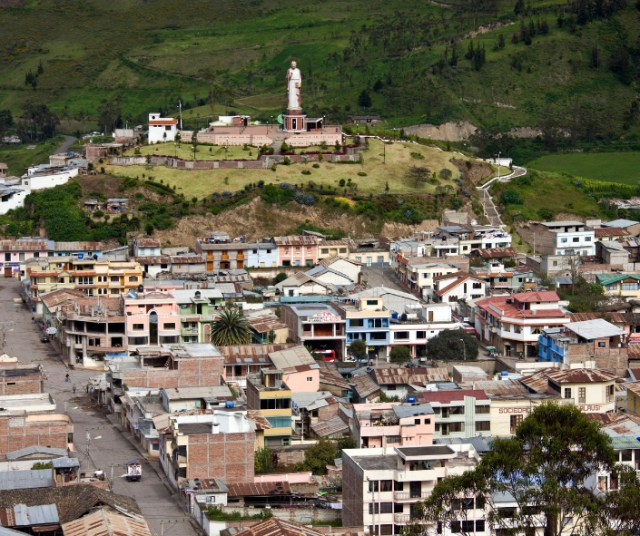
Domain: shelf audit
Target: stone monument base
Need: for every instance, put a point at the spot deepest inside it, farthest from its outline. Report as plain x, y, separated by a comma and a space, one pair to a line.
294, 121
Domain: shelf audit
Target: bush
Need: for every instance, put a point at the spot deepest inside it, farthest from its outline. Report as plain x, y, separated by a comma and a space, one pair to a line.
545, 214
306, 172
287, 161
510, 197
342, 183
400, 354
315, 166
273, 167
279, 278
417, 156
362, 174
98, 214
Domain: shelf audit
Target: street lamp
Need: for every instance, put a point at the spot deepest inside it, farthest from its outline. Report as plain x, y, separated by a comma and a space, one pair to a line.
394, 134
464, 349
384, 152
498, 162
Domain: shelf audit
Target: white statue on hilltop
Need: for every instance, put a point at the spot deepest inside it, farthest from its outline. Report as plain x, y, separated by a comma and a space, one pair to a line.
294, 81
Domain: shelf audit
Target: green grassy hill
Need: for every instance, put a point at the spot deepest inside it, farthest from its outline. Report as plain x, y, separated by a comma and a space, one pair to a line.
409, 58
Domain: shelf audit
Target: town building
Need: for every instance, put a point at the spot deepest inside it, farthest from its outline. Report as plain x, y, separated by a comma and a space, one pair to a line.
299, 371
198, 308
261, 255
15, 252
456, 287
473, 237
266, 327
334, 248
268, 393
90, 330
304, 284
459, 413
632, 227
564, 238
78, 249
591, 343
246, 359
414, 327
371, 253
21, 378
152, 319
380, 489
513, 323
146, 247
623, 286
93, 277
367, 320
316, 325
402, 382
187, 264
53, 430
162, 129
419, 274
388, 425
297, 250
222, 252
591, 390
219, 444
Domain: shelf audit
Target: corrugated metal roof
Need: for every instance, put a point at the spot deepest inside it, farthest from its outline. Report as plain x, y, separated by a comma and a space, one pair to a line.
65, 462
41, 478
327, 428
259, 489
625, 442
35, 449
415, 376
44, 514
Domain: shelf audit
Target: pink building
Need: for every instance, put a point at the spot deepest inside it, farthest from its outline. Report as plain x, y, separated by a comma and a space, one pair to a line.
300, 372
16, 252
393, 424
152, 319
297, 250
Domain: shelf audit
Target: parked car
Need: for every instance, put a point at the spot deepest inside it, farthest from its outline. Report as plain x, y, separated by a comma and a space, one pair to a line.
44, 338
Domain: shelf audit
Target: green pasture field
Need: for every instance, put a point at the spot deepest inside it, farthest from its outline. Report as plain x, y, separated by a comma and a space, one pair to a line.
621, 167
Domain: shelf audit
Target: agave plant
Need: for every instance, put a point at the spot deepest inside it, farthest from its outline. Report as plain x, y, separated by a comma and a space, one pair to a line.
230, 328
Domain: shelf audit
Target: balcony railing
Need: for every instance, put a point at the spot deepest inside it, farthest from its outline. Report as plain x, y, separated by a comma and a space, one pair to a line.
402, 518
407, 495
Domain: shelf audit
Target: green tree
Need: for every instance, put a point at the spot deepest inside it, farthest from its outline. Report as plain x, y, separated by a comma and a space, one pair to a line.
445, 174
231, 328
453, 345
279, 278
263, 461
344, 443
359, 349
316, 458
418, 174
364, 99
510, 197
545, 467
400, 354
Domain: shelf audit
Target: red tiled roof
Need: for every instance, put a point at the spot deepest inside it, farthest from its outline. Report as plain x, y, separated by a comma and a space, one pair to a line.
542, 296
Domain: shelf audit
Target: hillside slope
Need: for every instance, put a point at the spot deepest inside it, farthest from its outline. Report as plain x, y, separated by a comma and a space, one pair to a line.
555, 65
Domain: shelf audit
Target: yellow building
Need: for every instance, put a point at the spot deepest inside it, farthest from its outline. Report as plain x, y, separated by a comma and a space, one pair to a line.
267, 393
95, 277
333, 248
633, 397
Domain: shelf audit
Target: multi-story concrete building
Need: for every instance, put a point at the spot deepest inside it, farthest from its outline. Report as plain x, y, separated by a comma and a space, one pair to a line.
152, 319
334, 248
388, 425
589, 343
261, 255
217, 444
623, 286
452, 288
513, 323
246, 359
53, 430
367, 320
415, 327
297, 250
380, 488
146, 247
268, 393
459, 412
198, 308
162, 129
21, 378
222, 252
473, 237
91, 330
564, 238
15, 252
93, 277
316, 325
419, 273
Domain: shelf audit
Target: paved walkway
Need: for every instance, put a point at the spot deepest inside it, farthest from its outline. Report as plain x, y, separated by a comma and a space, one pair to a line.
110, 447
490, 209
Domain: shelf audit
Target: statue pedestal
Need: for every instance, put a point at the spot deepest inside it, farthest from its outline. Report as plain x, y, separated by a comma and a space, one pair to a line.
294, 121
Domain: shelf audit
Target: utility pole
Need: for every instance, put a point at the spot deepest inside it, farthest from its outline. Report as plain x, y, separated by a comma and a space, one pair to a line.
180, 108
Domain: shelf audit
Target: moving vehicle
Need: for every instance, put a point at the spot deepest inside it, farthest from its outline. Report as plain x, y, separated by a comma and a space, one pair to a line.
44, 338
134, 471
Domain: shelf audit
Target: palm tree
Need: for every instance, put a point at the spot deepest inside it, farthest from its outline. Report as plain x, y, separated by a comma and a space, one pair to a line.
230, 328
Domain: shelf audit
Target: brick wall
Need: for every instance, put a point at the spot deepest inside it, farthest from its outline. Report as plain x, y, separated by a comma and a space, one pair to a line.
328, 412
18, 433
352, 499
21, 385
227, 456
609, 358
191, 372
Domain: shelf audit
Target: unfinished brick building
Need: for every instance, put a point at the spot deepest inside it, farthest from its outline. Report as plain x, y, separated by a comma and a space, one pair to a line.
45, 430
21, 378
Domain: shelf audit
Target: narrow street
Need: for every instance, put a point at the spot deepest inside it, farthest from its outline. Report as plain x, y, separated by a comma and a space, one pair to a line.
109, 448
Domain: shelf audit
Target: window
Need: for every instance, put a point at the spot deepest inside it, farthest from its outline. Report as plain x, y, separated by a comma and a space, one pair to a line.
612, 286
133, 279
587, 239
421, 335
138, 327
343, 250
515, 421
381, 508
480, 525
567, 392
416, 421
629, 286
168, 326
378, 323
114, 279
325, 251
576, 239
7, 257
477, 285
483, 409
372, 302
468, 525
455, 527
309, 378
582, 395
393, 439
563, 240
401, 336
280, 422
483, 426
456, 427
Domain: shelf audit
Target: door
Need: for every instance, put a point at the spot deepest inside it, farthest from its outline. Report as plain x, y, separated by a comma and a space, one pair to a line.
153, 328
430, 316
7, 271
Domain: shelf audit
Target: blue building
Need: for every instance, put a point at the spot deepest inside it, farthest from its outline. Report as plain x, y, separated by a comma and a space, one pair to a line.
261, 255
367, 320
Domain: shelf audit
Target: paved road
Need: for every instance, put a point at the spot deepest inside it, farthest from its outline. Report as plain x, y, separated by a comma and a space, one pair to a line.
68, 142
382, 277
490, 210
108, 445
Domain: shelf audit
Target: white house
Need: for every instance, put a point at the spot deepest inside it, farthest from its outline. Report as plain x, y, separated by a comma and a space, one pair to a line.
455, 287
330, 276
44, 176
12, 198
344, 266
162, 129
566, 238
301, 284
146, 247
